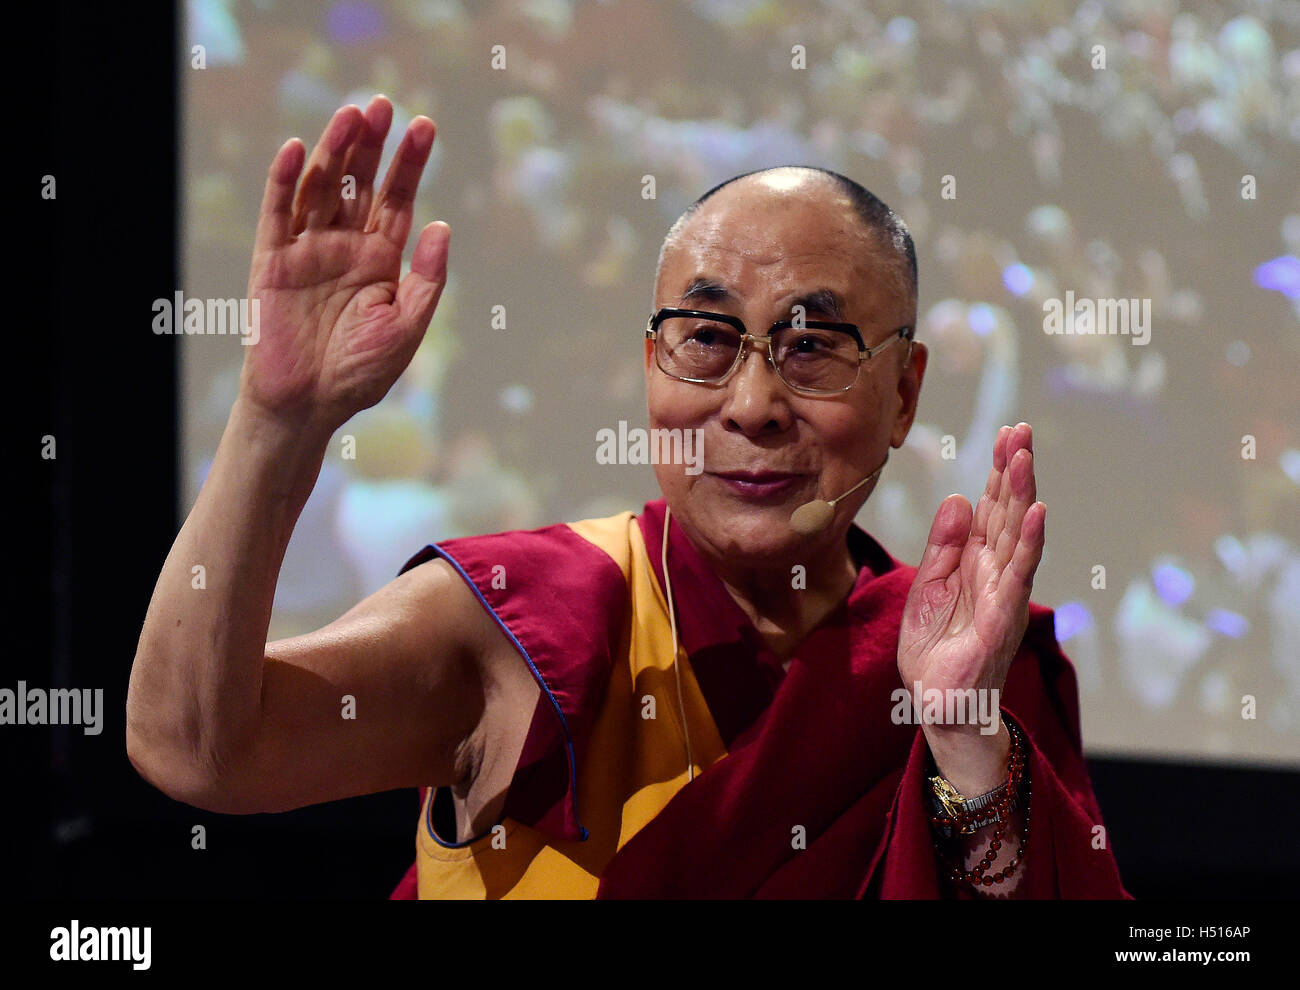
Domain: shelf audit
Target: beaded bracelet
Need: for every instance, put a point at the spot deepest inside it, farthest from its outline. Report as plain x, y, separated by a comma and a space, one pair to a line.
965, 822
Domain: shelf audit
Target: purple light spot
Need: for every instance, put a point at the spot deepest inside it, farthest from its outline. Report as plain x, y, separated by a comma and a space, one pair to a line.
1227, 623
1072, 618
1281, 275
1018, 279
1173, 584
350, 23
981, 318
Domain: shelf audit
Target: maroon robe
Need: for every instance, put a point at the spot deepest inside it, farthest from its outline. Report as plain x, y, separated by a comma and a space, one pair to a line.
813, 746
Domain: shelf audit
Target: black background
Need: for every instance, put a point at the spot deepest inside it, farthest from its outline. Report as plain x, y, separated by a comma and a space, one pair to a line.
97, 108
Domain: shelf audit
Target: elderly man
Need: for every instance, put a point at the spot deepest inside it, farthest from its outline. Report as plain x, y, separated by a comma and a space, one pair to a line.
735, 693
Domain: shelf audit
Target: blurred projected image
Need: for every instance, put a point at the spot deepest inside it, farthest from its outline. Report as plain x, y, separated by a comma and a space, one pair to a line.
1105, 205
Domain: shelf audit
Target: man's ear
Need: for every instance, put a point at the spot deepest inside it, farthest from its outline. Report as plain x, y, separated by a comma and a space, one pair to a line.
649, 353
910, 377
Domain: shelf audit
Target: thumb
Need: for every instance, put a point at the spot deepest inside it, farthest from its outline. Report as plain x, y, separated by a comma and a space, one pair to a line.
420, 290
948, 535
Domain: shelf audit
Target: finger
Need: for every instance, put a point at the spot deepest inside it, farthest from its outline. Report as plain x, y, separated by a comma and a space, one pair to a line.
1000, 449
319, 194
1017, 580
275, 219
992, 487
363, 162
420, 290
394, 204
948, 535
1017, 438
979, 528
1023, 493
1020, 437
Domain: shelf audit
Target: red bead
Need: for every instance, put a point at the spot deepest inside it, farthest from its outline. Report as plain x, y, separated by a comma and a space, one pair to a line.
987, 881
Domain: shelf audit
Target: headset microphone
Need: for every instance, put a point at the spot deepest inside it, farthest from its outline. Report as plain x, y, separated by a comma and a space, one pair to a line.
813, 517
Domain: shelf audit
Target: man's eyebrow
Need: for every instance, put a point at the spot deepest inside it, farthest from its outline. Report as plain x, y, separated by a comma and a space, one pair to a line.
705, 290
824, 301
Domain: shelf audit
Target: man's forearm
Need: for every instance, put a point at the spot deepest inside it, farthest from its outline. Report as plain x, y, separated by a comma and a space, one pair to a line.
194, 695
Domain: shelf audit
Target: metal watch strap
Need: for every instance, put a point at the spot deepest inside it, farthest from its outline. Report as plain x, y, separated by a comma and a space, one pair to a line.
987, 800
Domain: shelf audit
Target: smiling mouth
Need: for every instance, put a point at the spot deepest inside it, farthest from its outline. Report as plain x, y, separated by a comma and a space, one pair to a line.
756, 475
758, 485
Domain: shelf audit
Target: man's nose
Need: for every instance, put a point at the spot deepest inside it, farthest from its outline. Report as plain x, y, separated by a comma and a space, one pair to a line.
757, 401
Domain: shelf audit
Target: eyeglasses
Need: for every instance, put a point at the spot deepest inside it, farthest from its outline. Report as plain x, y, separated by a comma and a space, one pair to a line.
812, 357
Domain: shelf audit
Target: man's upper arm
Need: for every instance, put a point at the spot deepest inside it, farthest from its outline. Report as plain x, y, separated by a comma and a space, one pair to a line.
389, 695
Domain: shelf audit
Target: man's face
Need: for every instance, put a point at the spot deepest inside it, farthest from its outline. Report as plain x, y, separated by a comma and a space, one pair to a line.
770, 241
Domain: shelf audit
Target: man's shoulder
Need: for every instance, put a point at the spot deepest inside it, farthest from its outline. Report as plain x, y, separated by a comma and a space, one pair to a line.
548, 550
559, 592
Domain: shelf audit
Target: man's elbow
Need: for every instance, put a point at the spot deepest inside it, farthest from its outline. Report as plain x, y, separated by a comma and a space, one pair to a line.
189, 780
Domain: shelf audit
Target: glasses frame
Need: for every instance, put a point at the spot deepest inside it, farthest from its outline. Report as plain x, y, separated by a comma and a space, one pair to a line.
747, 338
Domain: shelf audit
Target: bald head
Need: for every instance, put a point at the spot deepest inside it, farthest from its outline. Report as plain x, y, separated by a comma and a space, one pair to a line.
888, 239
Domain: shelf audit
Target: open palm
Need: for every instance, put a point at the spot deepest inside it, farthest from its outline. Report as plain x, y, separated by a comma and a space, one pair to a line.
968, 607
337, 327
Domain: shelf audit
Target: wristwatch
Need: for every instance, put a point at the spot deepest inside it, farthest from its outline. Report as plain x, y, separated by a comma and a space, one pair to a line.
947, 800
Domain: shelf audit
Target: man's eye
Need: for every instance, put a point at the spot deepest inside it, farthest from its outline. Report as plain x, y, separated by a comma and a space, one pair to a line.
709, 336
809, 344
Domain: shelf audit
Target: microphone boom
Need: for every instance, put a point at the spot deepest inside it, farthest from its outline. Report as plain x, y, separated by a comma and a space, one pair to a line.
813, 517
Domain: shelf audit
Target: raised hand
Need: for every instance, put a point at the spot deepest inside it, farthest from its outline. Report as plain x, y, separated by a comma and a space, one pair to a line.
336, 328
968, 608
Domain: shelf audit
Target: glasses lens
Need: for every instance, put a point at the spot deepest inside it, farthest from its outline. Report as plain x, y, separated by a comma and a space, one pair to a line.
817, 360
696, 347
